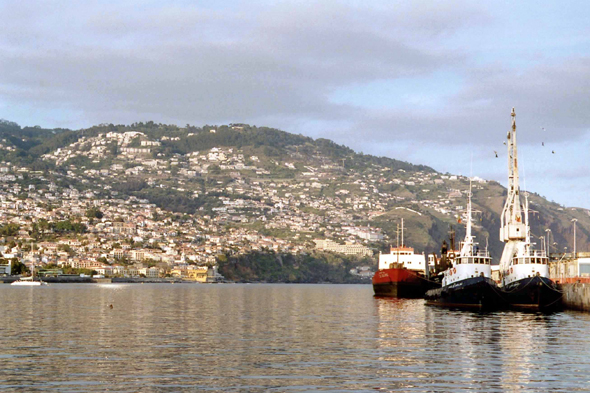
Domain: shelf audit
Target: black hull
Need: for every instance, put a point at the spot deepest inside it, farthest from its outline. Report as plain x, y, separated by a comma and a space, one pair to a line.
533, 293
410, 290
480, 293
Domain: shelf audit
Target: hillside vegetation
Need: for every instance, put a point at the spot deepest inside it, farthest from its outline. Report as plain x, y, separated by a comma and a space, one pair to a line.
267, 182
269, 266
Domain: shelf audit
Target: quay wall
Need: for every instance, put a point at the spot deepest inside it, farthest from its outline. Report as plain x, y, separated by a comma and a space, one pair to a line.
576, 296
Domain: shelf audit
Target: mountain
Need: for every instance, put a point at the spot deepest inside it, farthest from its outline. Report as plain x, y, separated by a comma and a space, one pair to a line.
272, 182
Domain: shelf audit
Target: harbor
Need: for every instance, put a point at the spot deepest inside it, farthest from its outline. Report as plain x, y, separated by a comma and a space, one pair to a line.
569, 271
526, 279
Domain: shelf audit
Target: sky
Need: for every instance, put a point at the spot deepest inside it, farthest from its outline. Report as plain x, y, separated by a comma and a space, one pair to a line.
430, 83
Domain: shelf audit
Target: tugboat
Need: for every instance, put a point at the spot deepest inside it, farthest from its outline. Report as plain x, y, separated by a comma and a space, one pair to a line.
402, 273
524, 272
467, 281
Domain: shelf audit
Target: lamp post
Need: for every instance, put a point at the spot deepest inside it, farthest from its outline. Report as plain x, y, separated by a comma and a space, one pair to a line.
564, 261
574, 220
548, 250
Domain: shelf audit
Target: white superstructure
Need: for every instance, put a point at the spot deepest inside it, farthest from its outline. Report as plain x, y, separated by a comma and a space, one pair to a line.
403, 257
471, 261
519, 260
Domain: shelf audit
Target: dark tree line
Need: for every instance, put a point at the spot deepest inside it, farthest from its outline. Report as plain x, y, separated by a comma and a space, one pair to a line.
9, 229
270, 266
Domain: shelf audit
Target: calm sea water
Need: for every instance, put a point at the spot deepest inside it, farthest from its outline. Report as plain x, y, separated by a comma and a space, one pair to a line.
282, 338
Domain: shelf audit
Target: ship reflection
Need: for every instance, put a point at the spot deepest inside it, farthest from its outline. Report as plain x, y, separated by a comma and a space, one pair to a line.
443, 349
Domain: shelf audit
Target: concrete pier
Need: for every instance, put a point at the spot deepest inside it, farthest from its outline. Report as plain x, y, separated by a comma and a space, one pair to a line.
572, 274
576, 296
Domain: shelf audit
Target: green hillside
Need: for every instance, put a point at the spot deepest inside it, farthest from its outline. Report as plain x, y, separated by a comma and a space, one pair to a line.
279, 184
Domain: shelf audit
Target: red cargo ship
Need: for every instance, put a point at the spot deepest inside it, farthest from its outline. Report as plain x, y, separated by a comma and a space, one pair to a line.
402, 274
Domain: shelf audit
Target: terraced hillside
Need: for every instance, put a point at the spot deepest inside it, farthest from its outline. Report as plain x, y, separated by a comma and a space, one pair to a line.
265, 182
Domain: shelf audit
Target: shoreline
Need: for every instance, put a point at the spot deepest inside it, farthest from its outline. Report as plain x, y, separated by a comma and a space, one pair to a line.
140, 280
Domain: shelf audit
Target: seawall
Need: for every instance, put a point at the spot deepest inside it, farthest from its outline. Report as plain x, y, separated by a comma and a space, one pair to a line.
576, 296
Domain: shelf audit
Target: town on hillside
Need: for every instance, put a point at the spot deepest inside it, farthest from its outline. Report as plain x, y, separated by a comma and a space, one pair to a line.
127, 204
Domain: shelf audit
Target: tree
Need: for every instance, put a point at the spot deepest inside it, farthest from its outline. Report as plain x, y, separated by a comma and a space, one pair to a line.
43, 225
9, 230
94, 212
17, 267
34, 232
67, 226
66, 248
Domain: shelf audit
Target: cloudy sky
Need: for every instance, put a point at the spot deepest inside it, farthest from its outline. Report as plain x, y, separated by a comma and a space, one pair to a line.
426, 82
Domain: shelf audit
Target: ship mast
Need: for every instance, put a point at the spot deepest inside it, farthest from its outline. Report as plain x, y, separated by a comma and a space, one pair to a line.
512, 226
468, 236
526, 217
467, 247
402, 232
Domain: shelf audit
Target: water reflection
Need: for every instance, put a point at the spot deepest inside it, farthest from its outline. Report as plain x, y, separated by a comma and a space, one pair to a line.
447, 350
276, 338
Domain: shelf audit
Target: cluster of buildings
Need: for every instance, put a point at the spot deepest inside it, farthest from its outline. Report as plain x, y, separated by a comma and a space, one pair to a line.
319, 204
347, 248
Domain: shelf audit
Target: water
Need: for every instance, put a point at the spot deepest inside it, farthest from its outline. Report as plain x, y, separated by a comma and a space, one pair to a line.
281, 338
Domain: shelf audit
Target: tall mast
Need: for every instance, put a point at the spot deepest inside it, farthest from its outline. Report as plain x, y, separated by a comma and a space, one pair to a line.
526, 217
468, 229
398, 231
467, 247
512, 226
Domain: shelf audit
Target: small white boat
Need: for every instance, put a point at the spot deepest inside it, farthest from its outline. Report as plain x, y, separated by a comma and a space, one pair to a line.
29, 281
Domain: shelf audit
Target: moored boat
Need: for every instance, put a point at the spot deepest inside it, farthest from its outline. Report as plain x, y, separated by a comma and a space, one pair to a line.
402, 273
467, 281
29, 281
524, 271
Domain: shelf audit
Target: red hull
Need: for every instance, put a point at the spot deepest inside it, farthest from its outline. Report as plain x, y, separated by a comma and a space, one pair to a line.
401, 283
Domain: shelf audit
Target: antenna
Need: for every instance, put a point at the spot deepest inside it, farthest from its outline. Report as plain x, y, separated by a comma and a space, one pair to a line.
402, 231
468, 229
